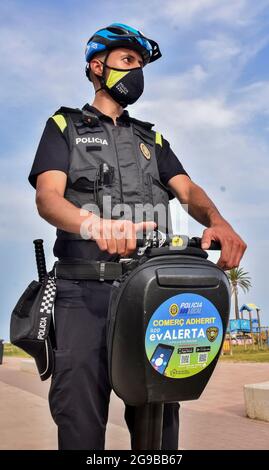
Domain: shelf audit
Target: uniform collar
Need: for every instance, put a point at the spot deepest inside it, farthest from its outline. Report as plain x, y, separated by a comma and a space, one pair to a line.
124, 117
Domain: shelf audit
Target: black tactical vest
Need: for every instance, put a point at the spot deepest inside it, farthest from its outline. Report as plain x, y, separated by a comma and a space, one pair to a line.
114, 169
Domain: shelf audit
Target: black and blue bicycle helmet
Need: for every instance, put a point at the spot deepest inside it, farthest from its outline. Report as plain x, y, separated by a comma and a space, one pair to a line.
122, 35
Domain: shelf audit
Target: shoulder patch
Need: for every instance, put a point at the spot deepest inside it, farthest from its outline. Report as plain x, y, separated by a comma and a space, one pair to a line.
60, 120
158, 139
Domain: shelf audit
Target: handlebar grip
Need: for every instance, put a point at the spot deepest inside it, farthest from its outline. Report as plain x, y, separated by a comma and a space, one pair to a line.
40, 259
196, 242
215, 245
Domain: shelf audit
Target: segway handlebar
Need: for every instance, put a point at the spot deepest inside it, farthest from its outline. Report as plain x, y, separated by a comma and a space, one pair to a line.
158, 239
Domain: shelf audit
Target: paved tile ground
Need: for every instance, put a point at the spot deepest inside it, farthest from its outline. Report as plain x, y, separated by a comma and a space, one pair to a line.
216, 421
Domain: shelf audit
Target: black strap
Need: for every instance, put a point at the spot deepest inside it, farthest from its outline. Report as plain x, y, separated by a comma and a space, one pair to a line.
94, 270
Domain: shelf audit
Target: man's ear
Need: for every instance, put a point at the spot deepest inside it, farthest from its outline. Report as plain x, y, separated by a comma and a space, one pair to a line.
96, 67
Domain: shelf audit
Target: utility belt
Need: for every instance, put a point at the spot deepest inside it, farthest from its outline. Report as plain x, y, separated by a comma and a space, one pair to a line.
92, 270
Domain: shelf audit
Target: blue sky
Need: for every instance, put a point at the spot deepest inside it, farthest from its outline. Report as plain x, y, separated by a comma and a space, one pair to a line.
208, 95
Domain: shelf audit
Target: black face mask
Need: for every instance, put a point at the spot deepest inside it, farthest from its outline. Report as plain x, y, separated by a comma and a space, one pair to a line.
124, 86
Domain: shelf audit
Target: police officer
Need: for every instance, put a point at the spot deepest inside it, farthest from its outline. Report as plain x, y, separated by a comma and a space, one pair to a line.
90, 161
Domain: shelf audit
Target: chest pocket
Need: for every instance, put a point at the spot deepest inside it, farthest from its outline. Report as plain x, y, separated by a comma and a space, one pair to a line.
144, 135
82, 186
89, 142
94, 187
155, 191
82, 128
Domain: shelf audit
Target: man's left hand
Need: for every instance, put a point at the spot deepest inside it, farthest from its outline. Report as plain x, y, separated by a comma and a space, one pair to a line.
232, 246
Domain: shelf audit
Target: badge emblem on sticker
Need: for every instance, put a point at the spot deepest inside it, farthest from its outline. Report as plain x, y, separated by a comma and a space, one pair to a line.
212, 333
145, 151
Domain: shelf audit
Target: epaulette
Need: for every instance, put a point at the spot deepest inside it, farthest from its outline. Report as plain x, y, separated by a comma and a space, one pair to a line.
81, 118
65, 109
147, 125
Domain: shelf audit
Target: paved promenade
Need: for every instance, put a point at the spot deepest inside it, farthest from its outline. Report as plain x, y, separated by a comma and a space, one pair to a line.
216, 421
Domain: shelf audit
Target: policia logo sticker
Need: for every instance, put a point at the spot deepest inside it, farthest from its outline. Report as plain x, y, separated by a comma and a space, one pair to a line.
173, 309
145, 151
183, 336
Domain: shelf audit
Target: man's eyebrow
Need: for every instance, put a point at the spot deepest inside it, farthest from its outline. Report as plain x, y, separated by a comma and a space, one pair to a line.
130, 55
127, 54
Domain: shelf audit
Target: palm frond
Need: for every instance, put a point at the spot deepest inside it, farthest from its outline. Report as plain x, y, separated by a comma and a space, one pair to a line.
239, 279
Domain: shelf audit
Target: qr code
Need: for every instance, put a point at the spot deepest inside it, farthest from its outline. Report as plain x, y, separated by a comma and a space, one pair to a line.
185, 358
202, 357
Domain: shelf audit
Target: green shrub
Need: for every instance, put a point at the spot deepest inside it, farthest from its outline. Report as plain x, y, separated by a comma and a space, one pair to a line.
11, 350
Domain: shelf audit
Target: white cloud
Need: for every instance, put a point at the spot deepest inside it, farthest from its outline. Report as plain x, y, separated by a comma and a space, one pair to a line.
30, 73
178, 86
204, 113
252, 100
186, 11
235, 13
20, 219
220, 48
39, 61
192, 114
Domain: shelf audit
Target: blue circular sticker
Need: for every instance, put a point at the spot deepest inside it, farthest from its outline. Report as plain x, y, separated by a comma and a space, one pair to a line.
183, 336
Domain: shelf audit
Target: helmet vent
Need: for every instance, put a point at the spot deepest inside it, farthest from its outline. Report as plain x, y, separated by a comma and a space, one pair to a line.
116, 30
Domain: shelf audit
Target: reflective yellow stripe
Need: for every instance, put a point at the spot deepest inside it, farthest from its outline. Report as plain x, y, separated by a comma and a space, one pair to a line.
159, 139
60, 121
114, 77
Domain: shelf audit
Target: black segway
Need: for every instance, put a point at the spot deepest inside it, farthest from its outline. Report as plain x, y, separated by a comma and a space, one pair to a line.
167, 320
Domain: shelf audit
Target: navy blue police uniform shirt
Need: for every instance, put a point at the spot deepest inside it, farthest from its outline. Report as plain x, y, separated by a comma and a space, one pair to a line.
53, 154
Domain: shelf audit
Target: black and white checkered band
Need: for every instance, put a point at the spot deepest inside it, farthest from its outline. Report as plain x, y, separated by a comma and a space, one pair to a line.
48, 299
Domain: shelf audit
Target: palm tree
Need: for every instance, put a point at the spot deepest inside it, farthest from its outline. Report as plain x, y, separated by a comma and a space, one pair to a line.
238, 278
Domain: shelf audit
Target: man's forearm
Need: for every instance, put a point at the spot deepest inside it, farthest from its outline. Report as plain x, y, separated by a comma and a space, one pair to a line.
59, 212
202, 209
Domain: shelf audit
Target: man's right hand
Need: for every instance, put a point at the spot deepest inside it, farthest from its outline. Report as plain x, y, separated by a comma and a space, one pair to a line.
117, 236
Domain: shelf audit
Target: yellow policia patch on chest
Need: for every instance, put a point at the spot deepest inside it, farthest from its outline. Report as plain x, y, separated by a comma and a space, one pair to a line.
145, 151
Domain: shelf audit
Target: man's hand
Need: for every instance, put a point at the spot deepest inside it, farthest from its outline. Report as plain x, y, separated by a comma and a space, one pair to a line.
117, 236
232, 246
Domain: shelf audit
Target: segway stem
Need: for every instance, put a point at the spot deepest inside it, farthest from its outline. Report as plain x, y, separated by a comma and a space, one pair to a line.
148, 427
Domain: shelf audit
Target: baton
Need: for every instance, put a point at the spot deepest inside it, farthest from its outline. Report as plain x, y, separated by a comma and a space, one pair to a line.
40, 260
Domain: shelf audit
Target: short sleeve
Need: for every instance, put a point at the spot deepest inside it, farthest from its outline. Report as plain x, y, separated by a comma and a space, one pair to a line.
52, 152
168, 164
